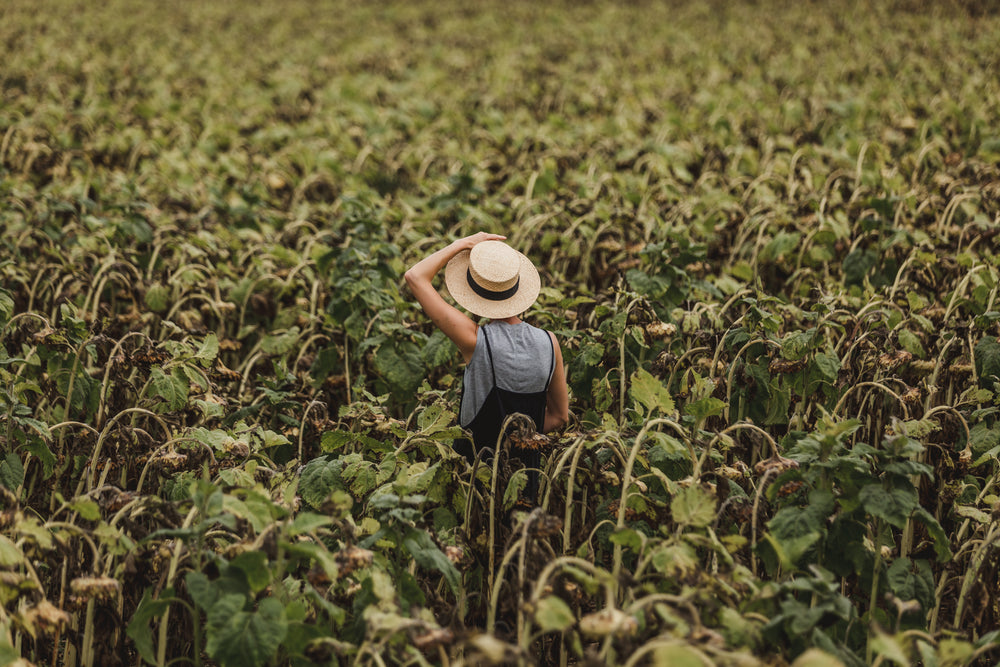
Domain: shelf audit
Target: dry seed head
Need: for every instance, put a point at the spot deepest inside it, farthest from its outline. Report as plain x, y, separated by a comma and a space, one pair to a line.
190, 320
119, 500
698, 268
46, 616
173, 460
228, 344
912, 396
660, 330
149, 356
454, 554
275, 181
14, 585
118, 363
893, 360
100, 588
237, 448
226, 373
318, 577
535, 442
965, 458
352, 558
731, 472
11, 579
433, 639
494, 651
609, 621
545, 525
784, 366
45, 336
776, 463
935, 313
226, 307
790, 487
8, 498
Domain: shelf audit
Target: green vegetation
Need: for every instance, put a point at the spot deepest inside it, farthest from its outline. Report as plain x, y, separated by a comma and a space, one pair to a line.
767, 233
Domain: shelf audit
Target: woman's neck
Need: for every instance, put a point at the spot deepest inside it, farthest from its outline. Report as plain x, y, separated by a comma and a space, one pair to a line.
513, 319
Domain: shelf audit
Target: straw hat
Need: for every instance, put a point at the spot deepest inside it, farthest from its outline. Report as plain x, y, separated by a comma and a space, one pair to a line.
492, 280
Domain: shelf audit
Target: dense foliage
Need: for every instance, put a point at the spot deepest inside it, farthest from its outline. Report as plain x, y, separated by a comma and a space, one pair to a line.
767, 234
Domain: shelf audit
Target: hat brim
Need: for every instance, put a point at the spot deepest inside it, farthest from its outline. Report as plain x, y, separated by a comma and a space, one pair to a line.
455, 279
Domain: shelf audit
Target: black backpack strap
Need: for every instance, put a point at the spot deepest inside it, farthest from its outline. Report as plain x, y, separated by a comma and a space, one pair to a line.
552, 364
489, 352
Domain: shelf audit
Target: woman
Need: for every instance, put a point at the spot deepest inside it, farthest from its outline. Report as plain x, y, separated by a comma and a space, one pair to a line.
511, 366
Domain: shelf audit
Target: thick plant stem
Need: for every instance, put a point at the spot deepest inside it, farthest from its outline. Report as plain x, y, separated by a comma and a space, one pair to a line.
626, 484
978, 558
161, 649
873, 600
497, 583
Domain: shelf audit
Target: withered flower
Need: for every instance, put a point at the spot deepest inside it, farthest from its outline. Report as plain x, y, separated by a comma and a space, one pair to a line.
433, 638
912, 396
545, 525
893, 360
533, 442
734, 472
609, 621
225, 373
454, 554
46, 617
318, 577
173, 460
785, 366
961, 368
352, 558
237, 448
661, 330
97, 588
778, 464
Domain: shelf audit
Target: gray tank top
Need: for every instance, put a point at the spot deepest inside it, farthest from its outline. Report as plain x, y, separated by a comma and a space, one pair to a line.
522, 360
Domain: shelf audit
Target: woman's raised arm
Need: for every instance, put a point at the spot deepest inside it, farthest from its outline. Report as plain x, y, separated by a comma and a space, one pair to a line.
455, 324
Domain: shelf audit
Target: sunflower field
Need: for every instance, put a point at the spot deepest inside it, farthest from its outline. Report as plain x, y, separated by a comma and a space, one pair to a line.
768, 239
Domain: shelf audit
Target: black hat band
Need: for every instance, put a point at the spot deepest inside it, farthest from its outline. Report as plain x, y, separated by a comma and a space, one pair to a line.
489, 294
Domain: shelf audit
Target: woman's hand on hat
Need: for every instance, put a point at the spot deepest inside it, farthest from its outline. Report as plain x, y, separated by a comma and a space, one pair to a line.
470, 241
